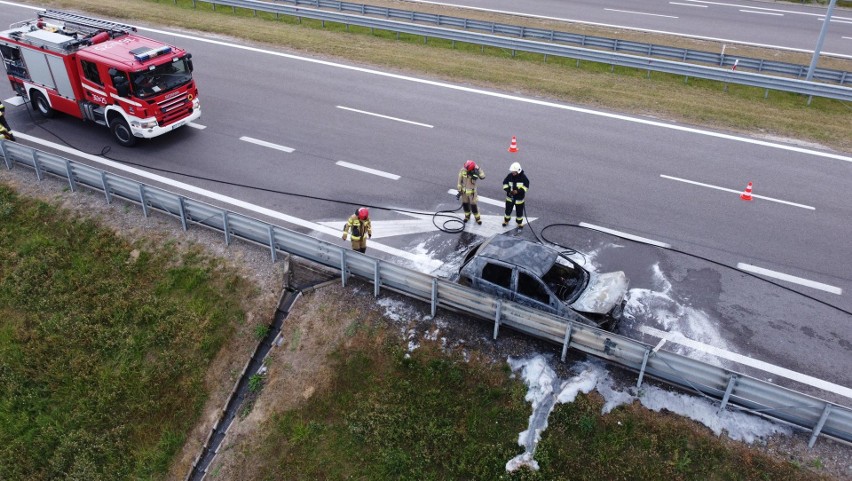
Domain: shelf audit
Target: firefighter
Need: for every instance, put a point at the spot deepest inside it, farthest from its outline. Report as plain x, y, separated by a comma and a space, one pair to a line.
358, 227
5, 130
516, 185
468, 176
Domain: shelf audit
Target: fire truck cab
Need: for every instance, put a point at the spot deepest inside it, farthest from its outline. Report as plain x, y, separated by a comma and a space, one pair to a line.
100, 71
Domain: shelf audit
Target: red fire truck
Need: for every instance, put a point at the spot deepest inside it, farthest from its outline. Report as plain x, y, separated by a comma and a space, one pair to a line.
100, 71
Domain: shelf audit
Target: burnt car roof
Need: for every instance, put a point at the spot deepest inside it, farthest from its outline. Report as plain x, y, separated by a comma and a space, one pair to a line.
510, 249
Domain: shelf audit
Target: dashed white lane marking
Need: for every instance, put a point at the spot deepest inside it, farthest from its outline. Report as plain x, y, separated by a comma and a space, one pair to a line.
484, 200
368, 170
385, 117
197, 126
763, 13
787, 277
846, 38
688, 4
771, 199
639, 13
625, 235
679, 338
543, 103
264, 143
834, 20
417, 260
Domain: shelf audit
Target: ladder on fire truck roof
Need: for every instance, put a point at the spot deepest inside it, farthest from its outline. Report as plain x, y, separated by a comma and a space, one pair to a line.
95, 24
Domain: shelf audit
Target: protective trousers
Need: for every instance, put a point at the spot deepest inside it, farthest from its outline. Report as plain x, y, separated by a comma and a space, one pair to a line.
518, 205
469, 205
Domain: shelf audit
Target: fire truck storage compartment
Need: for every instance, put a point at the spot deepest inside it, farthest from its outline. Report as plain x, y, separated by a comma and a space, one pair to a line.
12, 60
48, 70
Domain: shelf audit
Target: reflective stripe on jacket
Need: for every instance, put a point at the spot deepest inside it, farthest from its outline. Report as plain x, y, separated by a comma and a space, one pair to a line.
467, 180
518, 182
357, 228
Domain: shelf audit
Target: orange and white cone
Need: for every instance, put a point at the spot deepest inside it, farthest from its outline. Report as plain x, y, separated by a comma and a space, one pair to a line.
747, 194
513, 147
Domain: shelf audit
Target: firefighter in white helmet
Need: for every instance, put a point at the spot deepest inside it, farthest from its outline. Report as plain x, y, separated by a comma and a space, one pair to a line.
466, 187
516, 185
359, 229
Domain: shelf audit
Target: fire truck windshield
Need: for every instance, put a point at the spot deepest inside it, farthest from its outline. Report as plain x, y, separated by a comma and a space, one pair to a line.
161, 79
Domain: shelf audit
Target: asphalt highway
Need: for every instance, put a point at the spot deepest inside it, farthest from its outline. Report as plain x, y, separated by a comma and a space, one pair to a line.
773, 24
314, 139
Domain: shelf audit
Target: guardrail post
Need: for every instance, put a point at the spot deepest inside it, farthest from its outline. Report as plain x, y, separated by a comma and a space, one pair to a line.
272, 243
6, 157
376, 280
567, 340
226, 227
434, 296
106, 188
343, 267
497, 318
644, 364
182, 213
37, 165
142, 200
732, 381
70, 174
820, 424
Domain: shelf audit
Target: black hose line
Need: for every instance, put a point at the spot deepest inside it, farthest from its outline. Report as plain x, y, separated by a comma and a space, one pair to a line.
451, 219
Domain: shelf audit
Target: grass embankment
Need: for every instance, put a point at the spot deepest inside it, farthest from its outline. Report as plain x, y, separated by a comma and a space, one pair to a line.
383, 416
104, 346
695, 101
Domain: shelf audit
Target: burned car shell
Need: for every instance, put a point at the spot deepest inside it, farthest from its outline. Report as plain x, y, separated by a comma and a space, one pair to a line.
541, 277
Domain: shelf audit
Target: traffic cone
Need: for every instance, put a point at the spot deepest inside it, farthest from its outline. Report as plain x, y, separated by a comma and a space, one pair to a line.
747, 194
513, 147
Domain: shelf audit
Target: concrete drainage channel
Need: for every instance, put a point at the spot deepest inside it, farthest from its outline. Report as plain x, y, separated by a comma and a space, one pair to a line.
241, 390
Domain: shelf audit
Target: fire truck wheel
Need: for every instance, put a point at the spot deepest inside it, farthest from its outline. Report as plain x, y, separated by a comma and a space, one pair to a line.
40, 104
121, 131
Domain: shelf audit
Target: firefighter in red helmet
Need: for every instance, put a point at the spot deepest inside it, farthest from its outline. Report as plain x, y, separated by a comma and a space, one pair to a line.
5, 130
359, 229
466, 187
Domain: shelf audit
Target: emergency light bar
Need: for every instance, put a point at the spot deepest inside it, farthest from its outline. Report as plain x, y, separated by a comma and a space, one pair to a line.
154, 52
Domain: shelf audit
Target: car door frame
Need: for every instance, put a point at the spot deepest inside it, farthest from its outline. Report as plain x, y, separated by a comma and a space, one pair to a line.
555, 306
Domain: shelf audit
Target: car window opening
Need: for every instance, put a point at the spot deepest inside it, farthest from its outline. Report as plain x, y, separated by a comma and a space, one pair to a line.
530, 287
498, 275
564, 282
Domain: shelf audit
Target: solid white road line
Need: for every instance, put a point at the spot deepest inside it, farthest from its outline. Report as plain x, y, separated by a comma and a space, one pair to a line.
645, 30
264, 143
679, 338
367, 170
543, 103
787, 277
688, 4
639, 13
710, 186
197, 126
335, 233
626, 235
385, 117
751, 7
763, 13
484, 200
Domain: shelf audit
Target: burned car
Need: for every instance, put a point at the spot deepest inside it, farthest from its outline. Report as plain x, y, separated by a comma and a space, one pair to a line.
542, 277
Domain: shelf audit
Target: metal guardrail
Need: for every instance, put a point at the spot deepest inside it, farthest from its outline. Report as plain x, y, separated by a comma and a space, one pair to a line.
731, 388
588, 41
727, 76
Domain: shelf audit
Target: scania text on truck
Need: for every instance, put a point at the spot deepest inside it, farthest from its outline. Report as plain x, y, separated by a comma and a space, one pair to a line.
100, 71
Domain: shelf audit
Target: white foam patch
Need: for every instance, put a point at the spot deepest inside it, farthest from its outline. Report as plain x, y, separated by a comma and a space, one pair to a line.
659, 307
421, 260
546, 390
